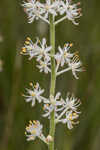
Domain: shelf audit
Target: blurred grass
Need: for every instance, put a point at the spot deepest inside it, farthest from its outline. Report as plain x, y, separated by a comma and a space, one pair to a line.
18, 72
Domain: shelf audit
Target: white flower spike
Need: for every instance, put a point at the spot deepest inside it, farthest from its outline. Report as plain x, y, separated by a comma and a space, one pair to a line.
57, 109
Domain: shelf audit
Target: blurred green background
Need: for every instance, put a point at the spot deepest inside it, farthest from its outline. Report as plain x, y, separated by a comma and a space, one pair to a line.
18, 71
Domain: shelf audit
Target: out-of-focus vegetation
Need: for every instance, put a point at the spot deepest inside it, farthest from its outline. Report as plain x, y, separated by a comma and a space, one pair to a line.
18, 71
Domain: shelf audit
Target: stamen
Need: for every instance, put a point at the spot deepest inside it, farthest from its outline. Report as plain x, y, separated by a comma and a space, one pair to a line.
28, 38
27, 42
24, 50
30, 122
31, 84
71, 44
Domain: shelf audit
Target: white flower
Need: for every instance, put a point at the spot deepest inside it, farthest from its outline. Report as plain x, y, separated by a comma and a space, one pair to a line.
64, 55
75, 65
49, 8
43, 51
34, 93
30, 48
53, 104
71, 103
71, 10
34, 130
38, 49
44, 66
32, 9
48, 109
70, 117
67, 112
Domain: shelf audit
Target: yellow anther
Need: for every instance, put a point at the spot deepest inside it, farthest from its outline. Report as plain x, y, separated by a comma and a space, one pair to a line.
77, 55
65, 45
35, 86
31, 84
33, 131
47, 105
32, 94
35, 126
27, 128
34, 122
23, 49
27, 42
70, 117
30, 122
71, 44
28, 38
39, 41
74, 114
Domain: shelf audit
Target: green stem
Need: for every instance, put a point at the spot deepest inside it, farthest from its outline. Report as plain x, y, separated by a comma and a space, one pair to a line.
53, 79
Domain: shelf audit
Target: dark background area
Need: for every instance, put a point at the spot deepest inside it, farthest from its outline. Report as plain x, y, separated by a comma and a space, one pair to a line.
18, 71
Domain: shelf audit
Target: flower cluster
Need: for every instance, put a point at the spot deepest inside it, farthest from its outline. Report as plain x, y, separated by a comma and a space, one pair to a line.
71, 59
35, 10
65, 110
40, 51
